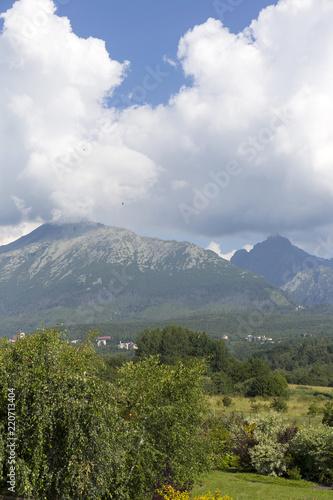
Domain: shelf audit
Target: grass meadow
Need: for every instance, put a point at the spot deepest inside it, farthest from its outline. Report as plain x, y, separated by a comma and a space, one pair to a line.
302, 398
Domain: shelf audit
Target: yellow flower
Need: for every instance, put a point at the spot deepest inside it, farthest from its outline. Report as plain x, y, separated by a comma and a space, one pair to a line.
169, 493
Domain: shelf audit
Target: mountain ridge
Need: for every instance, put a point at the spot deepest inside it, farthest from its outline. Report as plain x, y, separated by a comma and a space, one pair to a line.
120, 275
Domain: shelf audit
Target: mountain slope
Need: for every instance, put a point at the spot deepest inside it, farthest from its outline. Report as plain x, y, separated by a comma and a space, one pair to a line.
277, 260
312, 286
117, 273
308, 278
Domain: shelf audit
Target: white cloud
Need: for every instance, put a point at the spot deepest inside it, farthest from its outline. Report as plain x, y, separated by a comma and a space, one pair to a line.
248, 247
170, 61
263, 100
248, 146
13, 232
62, 152
216, 247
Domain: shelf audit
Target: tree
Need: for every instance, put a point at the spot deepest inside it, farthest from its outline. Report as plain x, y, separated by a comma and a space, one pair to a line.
69, 444
81, 437
165, 404
255, 367
220, 356
271, 385
176, 343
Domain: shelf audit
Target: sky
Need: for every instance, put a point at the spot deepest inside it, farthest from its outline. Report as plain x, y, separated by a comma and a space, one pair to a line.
202, 120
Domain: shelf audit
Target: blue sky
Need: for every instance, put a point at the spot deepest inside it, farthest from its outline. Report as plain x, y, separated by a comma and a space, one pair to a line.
143, 32
218, 131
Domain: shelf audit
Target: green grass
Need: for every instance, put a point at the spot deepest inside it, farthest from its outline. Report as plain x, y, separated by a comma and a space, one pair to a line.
298, 405
245, 486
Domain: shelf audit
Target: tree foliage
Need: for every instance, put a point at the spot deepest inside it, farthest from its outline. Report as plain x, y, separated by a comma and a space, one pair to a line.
69, 443
81, 437
175, 343
328, 414
309, 362
165, 405
312, 451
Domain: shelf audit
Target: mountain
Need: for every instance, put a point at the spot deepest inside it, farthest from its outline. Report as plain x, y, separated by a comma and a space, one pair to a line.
308, 278
79, 272
276, 259
312, 286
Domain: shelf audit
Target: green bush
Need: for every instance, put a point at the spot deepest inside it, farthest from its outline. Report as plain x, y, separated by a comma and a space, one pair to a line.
269, 385
279, 405
242, 438
227, 461
294, 474
227, 401
219, 438
313, 410
328, 414
268, 456
257, 407
312, 453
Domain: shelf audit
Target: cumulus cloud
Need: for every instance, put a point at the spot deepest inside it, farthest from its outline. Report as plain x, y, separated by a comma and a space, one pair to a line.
253, 133
216, 247
61, 155
246, 147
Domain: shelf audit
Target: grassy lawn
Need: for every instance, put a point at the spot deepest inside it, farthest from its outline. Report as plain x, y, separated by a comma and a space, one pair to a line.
245, 486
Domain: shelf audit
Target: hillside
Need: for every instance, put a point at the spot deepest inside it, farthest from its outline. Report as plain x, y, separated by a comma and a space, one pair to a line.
84, 271
312, 286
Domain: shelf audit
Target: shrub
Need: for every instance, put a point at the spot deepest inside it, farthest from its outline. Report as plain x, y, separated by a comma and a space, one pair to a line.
242, 437
287, 435
279, 405
227, 401
166, 480
268, 456
328, 414
257, 407
227, 461
219, 439
295, 474
168, 493
312, 452
313, 409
